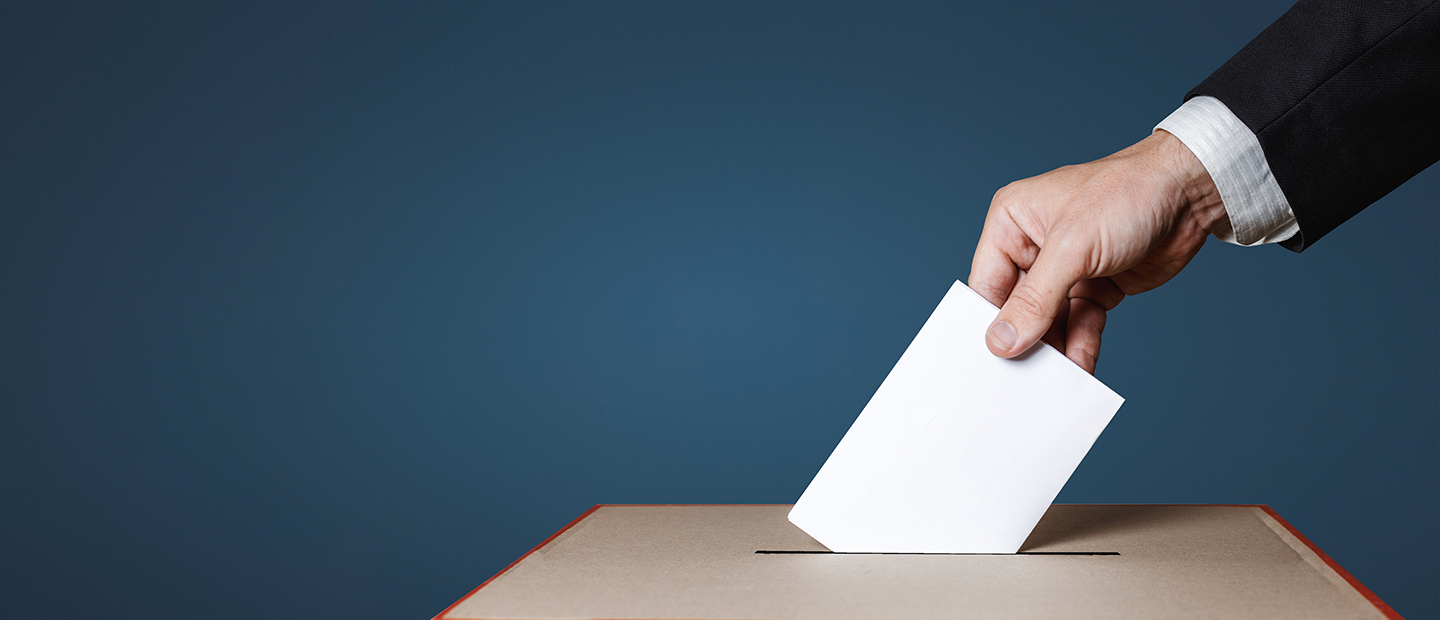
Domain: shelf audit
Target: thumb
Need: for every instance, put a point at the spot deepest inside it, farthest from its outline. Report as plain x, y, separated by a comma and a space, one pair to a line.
1034, 303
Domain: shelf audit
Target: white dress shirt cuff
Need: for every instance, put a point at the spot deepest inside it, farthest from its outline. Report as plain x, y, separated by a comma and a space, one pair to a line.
1230, 152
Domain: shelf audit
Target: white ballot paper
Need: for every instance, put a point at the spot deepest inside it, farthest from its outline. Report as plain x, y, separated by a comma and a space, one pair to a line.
959, 451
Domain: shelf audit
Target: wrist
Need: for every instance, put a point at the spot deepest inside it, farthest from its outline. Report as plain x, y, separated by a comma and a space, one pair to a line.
1198, 196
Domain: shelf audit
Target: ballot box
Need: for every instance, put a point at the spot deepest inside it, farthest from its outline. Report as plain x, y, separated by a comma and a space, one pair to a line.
1082, 561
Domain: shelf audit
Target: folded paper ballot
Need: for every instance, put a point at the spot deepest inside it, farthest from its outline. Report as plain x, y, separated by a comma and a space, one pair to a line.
958, 451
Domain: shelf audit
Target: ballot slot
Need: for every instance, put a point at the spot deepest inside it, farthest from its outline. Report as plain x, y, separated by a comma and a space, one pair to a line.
812, 552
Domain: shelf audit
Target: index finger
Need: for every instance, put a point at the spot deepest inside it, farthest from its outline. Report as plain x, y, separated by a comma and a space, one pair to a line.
1003, 252
992, 274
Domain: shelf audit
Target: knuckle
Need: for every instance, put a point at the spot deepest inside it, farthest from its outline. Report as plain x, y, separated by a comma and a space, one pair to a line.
1028, 303
1088, 317
1091, 324
1078, 252
1087, 354
1004, 194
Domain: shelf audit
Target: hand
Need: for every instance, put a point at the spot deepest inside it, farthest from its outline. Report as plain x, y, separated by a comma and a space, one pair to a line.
1062, 248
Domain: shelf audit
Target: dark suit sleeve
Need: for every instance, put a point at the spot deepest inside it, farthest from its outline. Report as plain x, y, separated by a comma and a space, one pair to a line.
1345, 99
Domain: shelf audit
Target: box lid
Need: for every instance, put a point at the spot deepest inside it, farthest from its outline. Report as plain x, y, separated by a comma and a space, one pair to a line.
1082, 561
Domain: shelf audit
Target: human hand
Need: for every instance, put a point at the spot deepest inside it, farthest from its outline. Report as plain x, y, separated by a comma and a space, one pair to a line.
1062, 248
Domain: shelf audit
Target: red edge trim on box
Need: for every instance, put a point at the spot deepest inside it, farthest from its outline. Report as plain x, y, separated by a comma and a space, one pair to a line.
1350, 579
441, 615
1380, 605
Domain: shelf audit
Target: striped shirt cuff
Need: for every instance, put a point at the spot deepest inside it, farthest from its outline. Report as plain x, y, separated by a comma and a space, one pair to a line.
1230, 152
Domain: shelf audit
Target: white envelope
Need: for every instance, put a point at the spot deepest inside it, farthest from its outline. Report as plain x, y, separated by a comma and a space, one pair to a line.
958, 451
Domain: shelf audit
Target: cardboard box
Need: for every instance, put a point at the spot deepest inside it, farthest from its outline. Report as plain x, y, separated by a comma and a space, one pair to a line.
1082, 561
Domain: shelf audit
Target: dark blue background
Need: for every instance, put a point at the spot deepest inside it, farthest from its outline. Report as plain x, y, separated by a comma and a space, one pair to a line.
333, 311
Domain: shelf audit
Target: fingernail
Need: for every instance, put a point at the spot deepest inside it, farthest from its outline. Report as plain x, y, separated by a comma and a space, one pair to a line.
1003, 335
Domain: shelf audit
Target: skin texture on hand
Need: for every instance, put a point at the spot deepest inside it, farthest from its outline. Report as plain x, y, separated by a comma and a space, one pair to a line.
1061, 249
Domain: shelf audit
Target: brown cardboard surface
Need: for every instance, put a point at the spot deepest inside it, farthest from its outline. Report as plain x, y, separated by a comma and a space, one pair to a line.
1174, 561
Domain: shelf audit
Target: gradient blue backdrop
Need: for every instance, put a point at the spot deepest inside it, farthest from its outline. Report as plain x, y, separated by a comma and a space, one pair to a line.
331, 311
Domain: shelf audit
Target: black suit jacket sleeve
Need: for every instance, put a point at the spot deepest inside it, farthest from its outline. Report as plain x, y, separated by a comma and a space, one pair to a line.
1345, 99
